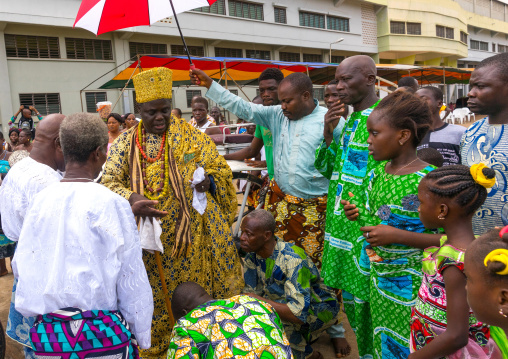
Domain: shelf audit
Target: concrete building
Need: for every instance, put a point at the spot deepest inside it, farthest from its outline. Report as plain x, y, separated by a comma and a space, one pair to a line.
45, 62
457, 33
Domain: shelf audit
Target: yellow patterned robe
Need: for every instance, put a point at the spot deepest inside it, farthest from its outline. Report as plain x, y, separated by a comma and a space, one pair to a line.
213, 261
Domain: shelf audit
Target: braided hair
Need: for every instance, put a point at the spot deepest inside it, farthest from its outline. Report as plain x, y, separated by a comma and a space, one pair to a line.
481, 247
457, 183
405, 111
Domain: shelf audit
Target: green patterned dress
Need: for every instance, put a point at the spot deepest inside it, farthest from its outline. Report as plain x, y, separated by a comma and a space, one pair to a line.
396, 276
240, 326
347, 164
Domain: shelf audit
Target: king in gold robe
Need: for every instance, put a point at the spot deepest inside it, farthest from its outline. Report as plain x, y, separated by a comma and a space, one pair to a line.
212, 260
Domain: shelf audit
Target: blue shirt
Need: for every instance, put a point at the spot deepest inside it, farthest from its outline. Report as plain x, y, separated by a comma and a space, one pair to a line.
294, 141
488, 144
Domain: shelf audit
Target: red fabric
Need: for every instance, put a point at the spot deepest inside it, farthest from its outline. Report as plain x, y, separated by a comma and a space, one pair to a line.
148, 62
119, 14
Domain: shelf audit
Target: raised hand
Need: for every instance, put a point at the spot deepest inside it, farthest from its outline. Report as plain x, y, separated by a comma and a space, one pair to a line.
199, 77
332, 118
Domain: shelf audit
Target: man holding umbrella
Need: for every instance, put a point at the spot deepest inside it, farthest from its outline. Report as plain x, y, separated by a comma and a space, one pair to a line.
153, 167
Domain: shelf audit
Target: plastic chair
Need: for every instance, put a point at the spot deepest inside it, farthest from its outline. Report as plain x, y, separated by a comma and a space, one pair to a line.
458, 114
468, 114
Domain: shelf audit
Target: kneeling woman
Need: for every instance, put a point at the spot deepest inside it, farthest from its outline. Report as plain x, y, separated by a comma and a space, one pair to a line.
78, 260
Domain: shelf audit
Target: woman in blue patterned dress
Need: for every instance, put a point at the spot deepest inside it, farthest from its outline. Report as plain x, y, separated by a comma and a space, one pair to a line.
395, 128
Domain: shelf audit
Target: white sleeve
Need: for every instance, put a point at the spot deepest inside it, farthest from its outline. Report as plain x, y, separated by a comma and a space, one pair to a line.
135, 298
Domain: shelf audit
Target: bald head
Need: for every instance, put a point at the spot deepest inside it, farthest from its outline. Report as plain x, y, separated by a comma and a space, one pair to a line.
48, 129
46, 145
186, 297
356, 81
362, 63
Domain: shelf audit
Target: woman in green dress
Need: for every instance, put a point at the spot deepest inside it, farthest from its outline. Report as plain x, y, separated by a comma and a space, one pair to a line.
395, 128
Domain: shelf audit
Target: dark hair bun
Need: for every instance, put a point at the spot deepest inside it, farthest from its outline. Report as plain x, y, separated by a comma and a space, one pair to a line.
489, 172
495, 267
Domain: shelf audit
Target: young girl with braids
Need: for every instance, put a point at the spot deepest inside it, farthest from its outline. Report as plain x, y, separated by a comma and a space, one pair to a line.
486, 269
393, 238
442, 324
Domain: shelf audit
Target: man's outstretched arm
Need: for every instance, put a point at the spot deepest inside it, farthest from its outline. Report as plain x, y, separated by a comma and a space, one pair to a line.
261, 115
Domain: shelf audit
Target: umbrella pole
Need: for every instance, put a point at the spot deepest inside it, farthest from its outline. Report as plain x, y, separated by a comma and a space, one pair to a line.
181, 34
164, 288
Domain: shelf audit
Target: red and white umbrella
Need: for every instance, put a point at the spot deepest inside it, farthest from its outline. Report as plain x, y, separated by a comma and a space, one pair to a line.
100, 16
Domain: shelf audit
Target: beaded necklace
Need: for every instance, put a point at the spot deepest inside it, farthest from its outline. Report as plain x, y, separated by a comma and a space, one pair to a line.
162, 190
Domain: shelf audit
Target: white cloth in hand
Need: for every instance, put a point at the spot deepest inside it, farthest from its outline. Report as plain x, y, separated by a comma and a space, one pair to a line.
199, 198
150, 231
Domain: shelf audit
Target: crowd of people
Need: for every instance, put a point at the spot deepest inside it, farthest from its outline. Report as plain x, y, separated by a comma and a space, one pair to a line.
122, 241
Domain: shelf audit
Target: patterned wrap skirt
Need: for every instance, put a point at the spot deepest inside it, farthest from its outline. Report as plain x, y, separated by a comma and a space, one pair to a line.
72, 333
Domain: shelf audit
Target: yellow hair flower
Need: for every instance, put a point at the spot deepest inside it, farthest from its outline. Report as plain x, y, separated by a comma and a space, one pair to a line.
478, 176
498, 255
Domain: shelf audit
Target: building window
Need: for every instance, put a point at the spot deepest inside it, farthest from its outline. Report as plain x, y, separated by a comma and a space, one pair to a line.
319, 93
450, 33
91, 99
502, 48
193, 50
45, 103
397, 27
258, 54
440, 31
463, 37
234, 92
219, 8
493, 47
225, 52
446, 32
414, 28
140, 48
289, 56
88, 49
337, 23
479, 45
312, 58
310, 19
37, 47
246, 10
337, 59
190, 94
280, 15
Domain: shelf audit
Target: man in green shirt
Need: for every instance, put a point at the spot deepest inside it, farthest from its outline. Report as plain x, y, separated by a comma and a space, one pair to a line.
269, 81
346, 162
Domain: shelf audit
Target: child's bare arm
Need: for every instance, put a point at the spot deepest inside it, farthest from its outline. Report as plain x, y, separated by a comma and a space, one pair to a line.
457, 316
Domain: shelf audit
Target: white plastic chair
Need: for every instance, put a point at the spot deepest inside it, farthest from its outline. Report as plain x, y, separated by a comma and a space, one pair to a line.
459, 115
450, 118
468, 114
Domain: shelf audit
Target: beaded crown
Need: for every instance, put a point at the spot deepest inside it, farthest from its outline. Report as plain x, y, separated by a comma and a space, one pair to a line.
153, 84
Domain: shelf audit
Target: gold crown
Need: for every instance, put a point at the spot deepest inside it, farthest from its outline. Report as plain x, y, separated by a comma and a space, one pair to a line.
153, 84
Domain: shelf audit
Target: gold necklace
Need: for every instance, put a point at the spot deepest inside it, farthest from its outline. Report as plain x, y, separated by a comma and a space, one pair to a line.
400, 169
